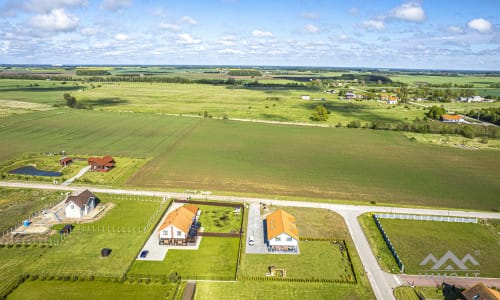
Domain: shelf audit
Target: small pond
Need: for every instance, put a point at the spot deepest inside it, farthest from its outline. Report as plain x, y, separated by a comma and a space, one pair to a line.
30, 170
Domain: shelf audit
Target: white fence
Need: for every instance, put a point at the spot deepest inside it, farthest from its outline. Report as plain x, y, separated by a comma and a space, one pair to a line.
427, 218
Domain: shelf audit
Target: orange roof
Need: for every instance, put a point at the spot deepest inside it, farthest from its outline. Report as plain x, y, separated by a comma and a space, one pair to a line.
279, 222
451, 117
181, 218
392, 97
483, 291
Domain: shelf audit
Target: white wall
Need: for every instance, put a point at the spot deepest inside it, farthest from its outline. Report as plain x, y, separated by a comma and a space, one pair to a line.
73, 211
171, 232
283, 241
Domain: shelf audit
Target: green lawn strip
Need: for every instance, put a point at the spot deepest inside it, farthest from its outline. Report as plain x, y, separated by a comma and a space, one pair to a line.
318, 260
279, 290
377, 243
18, 204
415, 240
409, 293
215, 259
91, 290
219, 218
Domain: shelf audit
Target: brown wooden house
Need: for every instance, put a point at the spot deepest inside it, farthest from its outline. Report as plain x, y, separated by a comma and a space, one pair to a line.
103, 164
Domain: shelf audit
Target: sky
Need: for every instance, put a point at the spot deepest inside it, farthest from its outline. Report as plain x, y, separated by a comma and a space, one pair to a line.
425, 34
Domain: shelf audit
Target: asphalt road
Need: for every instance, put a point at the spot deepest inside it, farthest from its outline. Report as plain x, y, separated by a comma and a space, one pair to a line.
381, 282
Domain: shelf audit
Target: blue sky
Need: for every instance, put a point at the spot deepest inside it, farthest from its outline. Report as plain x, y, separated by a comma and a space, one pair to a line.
439, 34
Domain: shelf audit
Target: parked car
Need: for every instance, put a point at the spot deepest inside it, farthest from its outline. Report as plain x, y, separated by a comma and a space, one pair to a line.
251, 240
144, 253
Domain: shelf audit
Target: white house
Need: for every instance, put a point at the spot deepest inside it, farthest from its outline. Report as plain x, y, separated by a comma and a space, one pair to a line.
179, 228
282, 233
79, 205
305, 97
452, 118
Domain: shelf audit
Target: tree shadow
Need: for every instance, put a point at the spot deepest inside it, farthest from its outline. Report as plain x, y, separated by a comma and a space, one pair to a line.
112, 101
42, 89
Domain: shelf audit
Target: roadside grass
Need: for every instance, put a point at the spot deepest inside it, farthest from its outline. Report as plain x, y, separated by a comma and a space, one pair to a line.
409, 293
328, 163
215, 259
14, 261
317, 260
41, 161
274, 290
123, 169
84, 290
219, 219
18, 204
415, 240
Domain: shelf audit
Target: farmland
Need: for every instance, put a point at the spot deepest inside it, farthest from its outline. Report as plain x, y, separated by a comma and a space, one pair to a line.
329, 163
414, 240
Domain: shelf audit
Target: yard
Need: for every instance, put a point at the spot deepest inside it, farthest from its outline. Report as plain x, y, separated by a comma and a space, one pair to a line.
219, 218
415, 240
215, 259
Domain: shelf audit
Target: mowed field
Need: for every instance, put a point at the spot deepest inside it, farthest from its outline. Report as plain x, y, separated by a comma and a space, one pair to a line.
229, 156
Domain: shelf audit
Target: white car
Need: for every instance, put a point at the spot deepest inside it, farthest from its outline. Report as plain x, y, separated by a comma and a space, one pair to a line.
251, 240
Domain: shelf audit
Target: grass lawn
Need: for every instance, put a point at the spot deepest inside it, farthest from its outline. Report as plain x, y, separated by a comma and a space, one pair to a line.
91, 290
317, 260
216, 258
414, 240
123, 169
18, 204
328, 163
219, 218
409, 293
454, 141
279, 290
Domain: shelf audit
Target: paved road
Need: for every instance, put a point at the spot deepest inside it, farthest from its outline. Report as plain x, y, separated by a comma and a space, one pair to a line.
381, 282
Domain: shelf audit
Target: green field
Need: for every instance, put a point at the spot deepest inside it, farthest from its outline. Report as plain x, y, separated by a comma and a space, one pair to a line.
409, 293
91, 290
414, 240
478, 81
215, 259
219, 219
279, 290
18, 204
331, 163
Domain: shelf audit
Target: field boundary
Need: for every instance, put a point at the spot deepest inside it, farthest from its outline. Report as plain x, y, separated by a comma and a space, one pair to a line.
427, 218
389, 244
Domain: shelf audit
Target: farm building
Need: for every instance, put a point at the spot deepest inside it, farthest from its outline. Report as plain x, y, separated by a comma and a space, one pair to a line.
471, 99
282, 233
103, 164
452, 118
350, 96
65, 161
80, 205
480, 291
305, 97
180, 226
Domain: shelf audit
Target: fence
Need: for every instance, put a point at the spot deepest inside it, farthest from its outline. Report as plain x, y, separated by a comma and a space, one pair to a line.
389, 244
427, 218
214, 203
220, 234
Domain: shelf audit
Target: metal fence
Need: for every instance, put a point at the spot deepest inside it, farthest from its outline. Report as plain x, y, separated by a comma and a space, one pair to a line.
427, 218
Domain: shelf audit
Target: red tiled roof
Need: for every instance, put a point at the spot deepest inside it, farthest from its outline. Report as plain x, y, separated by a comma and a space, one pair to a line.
451, 117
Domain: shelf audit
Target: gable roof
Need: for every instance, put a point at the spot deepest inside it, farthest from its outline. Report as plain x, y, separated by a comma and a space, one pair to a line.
279, 222
483, 291
181, 218
106, 161
451, 117
81, 199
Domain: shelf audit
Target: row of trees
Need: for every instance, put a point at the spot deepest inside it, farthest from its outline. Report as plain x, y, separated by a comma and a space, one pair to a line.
491, 114
73, 103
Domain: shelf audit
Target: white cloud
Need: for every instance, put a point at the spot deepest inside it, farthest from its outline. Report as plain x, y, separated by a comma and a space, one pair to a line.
90, 31
480, 25
374, 24
186, 38
410, 11
310, 16
115, 5
455, 29
121, 37
170, 27
189, 20
343, 37
311, 28
44, 6
231, 51
260, 33
55, 20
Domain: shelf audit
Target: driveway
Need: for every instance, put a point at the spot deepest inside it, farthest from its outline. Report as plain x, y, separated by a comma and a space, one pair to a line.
255, 227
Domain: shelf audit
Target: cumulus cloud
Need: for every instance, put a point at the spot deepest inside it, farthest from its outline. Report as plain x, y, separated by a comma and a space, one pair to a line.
455, 29
260, 33
121, 37
55, 20
115, 5
374, 24
310, 16
410, 11
311, 28
186, 38
48, 5
189, 20
170, 27
480, 25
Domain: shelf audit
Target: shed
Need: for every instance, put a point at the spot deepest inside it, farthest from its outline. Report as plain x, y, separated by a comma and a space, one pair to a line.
105, 252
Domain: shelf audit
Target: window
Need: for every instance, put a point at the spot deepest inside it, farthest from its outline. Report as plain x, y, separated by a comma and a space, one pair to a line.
179, 233
288, 239
277, 239
72, 206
